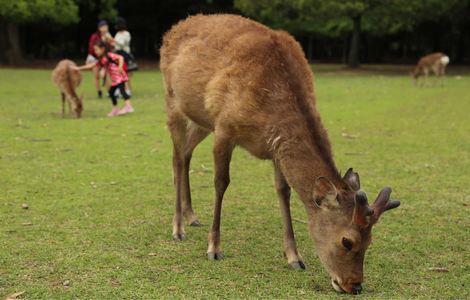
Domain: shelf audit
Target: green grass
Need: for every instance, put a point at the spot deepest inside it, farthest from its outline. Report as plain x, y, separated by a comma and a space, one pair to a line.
101, 199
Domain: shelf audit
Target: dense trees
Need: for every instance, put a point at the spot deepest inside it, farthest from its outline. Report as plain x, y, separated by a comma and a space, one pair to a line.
352, 31
13, 13
149, 19
57, 13
336, 17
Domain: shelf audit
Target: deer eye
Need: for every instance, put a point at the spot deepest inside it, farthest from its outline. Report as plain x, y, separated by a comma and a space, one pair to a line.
347, 244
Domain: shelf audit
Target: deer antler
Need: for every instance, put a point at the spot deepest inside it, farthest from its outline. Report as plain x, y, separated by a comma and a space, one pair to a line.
383, 203
362, 209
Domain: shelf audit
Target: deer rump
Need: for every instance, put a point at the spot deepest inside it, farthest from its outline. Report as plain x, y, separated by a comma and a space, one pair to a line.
67, 81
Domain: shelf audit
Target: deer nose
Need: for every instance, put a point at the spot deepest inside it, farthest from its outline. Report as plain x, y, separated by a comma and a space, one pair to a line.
356, 289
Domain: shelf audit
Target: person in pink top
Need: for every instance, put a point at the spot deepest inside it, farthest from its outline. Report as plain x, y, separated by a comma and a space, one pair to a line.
116, 68
102, 34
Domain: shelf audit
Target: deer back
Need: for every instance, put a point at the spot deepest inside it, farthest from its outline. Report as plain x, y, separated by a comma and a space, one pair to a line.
242, 74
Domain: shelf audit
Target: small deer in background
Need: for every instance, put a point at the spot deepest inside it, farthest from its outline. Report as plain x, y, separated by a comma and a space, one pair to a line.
436, 62
67, 80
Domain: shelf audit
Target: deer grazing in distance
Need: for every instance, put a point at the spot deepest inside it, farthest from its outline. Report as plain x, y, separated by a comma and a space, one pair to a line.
67, 80
435, 62
252, 87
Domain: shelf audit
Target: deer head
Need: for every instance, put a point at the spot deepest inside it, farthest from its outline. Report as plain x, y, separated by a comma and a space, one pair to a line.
78, 106
341, 224
414, 73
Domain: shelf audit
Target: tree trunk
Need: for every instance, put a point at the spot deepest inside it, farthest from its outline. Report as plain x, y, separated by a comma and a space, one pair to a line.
344, 58
405, 49
10, 50
310, 47
353, 59
3, 41
460, 51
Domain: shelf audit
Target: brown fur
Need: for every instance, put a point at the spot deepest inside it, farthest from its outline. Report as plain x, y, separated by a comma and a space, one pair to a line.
431, 62
252, 86
67, 81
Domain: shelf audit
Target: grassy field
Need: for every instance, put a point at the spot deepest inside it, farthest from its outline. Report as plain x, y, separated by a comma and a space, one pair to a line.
101, 199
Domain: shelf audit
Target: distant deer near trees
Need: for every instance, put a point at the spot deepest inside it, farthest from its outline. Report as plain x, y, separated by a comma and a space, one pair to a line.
435, 62
252, 87
67, 80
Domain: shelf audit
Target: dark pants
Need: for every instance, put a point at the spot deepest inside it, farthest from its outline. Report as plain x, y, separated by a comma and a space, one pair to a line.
122, 90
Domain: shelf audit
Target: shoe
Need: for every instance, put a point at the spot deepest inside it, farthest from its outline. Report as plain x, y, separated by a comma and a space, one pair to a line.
114, 112
126, 110
100, 94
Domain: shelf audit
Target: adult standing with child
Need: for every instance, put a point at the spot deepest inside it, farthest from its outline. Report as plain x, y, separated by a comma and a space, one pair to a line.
102, 34
122, 46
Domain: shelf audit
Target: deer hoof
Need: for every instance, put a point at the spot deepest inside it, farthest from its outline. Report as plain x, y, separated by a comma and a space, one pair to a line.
179, 237
215, 256
195, 223
297, 265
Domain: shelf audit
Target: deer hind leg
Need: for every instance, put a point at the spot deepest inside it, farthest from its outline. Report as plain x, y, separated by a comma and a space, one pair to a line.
177, 126
425, 78
290, 247
437, 74
62, 95
442, 74
223, 148
195, 135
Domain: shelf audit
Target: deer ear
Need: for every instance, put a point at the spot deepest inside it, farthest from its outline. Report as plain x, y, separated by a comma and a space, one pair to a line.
325, 193
352, 179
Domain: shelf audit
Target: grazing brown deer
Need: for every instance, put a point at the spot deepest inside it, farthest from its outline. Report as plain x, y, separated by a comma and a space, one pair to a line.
67, 80
252, 86
436, 62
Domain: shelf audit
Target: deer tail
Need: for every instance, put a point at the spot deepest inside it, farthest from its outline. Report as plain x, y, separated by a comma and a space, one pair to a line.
445, 60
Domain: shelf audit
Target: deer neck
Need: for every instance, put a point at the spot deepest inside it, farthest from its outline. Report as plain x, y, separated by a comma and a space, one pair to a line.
302, 160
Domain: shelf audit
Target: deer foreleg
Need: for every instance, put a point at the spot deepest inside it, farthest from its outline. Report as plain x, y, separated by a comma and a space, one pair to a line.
63, 104
290, 248
223, 148
70, 107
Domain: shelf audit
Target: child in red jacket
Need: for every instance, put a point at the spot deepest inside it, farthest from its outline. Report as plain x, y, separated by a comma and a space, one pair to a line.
116, 68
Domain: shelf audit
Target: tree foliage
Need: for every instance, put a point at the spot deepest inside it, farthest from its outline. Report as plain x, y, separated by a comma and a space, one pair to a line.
337, 17
105, 9
333, 17
29, 11
379, 30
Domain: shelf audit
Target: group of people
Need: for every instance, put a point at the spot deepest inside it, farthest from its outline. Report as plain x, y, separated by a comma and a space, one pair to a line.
111, 56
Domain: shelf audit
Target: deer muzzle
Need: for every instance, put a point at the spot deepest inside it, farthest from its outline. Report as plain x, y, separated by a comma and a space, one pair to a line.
353, 288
